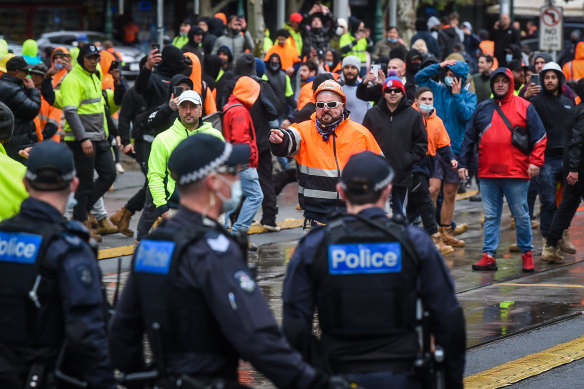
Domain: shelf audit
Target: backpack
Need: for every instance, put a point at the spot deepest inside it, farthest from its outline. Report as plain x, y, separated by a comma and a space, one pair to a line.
216, 118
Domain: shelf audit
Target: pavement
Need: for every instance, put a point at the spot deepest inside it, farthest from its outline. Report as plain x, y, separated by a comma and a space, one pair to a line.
519, 325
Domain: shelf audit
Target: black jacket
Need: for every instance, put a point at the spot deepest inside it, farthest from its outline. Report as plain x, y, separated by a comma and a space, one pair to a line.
374, 93
447, 38
574, 151
401, 135
557, 115
25, 104
133, 104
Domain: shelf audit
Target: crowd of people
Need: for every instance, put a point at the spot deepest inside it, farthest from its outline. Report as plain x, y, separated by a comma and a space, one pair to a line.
363, 128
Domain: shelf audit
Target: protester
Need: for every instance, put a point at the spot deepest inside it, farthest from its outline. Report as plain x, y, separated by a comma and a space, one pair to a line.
350, 82
238, 41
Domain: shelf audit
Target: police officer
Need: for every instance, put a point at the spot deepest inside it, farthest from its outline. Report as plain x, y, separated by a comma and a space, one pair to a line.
52, 316
191, 292
364, 274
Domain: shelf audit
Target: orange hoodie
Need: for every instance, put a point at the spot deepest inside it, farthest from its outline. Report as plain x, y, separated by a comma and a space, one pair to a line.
106, 59
574, 70
305, 96
237, 123
209, 103
58, 77
288, 55
437, 134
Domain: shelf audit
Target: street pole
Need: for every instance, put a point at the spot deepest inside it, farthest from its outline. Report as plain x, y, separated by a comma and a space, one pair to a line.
393, 12
108, 19
280, 13
120, 7
160, 23
341, 9
196, 6
378, 29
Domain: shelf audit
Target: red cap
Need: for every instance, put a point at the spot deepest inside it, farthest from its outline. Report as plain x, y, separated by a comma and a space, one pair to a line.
296, 17
393, 82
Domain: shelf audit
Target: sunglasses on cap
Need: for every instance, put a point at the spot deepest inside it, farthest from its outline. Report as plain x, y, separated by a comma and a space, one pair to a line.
329, 104
393, 91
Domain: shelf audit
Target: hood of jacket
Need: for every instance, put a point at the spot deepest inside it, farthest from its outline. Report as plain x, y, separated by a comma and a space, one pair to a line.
579, 53
509, 95
268, 68
410, 68
196, 75
105, 61
216, 26
460, 69
177, 79
450, 31
227, 50
245, 65
172, 61
61, 49
212, 65
247, 91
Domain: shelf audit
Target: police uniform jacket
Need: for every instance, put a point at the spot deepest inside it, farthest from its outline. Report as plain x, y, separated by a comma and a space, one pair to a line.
235, 320
72, 308
300, 297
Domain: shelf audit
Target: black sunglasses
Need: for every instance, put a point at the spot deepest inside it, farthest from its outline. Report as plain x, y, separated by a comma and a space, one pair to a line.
329, 104
393, 91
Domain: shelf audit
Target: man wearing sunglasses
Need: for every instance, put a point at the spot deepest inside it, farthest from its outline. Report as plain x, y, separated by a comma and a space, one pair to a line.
400, 132
17, 91
322, 146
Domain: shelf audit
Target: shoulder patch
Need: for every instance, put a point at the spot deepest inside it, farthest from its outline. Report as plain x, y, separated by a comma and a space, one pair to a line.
365, 258
85, 275
72, 240
153, 256
19, 247
245, 282
219, 244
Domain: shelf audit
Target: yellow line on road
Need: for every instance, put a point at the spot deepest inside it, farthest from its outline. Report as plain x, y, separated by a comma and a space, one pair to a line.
466, 195
528, 366
254, 229
544, 285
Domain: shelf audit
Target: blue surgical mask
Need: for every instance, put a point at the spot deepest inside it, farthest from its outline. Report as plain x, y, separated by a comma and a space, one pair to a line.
392, 40
508, 57
231, 203
58, 66
448, 80
425, 108
330, 64
71, 201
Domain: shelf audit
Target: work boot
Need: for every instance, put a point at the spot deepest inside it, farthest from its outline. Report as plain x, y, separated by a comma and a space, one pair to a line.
122, 220
477, 197
514, 248
92, 232
534, 224
460, 229
448, 238
527, 261
482, 221
513, 225
105, 227
92, 220
551, 254
440, 245
272, 226
487, 262
565, 243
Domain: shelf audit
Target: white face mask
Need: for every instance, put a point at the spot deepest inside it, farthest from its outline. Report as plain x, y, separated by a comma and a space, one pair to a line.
339, 31
448, 80
230, 204
426, 107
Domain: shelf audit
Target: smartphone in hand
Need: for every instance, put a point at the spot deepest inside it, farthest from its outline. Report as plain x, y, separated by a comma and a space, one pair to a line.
375, 70
177, 90
534, 79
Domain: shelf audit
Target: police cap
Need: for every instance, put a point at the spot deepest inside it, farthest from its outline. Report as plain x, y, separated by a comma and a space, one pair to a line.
366, 172
200, 154
50, 166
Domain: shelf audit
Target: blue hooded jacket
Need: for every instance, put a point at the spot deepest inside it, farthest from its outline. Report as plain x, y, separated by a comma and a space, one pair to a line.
455, 110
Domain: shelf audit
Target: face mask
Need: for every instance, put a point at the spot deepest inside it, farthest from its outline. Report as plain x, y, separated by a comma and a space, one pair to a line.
426, 107
232, 203
339, 31
58, 66
508, 57
235, 30
274, 66
414, 67
392, 40
330, 64
71, 202
448, 80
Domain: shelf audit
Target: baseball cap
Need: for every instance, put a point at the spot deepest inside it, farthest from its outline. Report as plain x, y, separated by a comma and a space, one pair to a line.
39, 68
515, 65
190, 95
200, 154
332, 86
17, 63
393, 82
50, 166
366, 172
352, 60
88, 51
296, 17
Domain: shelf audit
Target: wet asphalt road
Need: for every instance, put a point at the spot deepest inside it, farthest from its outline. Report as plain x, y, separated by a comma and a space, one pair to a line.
497, 305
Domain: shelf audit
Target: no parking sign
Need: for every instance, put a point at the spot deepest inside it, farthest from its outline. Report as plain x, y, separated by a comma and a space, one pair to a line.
551, 27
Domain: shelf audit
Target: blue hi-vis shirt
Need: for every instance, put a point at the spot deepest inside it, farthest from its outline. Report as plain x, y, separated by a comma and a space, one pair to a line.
19, 247
153, 256
365, 258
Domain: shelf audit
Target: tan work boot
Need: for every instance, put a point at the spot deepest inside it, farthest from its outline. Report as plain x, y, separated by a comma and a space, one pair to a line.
565, 243
514, 248
551, 254
122, 220
105, 227
92, 220
92, 232
448, 238
440, 245
460, 229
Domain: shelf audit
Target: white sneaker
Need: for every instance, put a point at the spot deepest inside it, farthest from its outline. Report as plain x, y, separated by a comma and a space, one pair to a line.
119, 168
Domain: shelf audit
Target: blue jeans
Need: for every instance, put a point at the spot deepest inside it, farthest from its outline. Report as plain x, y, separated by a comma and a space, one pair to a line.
515, 191
549, 175
250, 186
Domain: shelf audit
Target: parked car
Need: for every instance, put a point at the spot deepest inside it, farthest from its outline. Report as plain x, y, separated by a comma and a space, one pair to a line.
130, 55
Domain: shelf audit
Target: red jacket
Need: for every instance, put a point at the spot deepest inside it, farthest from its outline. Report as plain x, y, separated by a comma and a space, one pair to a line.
237, 124
498, 158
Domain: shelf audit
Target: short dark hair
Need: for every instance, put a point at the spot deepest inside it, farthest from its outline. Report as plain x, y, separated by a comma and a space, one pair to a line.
312, 67
389, 28
487, 58
423, 89
231, 17
360, 198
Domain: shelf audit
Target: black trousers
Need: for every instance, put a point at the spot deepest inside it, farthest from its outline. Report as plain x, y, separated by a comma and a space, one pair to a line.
270, 202
420, 203
89, 191
568, 206
136, 202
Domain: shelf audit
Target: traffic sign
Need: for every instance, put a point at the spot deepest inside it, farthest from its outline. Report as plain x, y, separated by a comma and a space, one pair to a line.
551, 27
